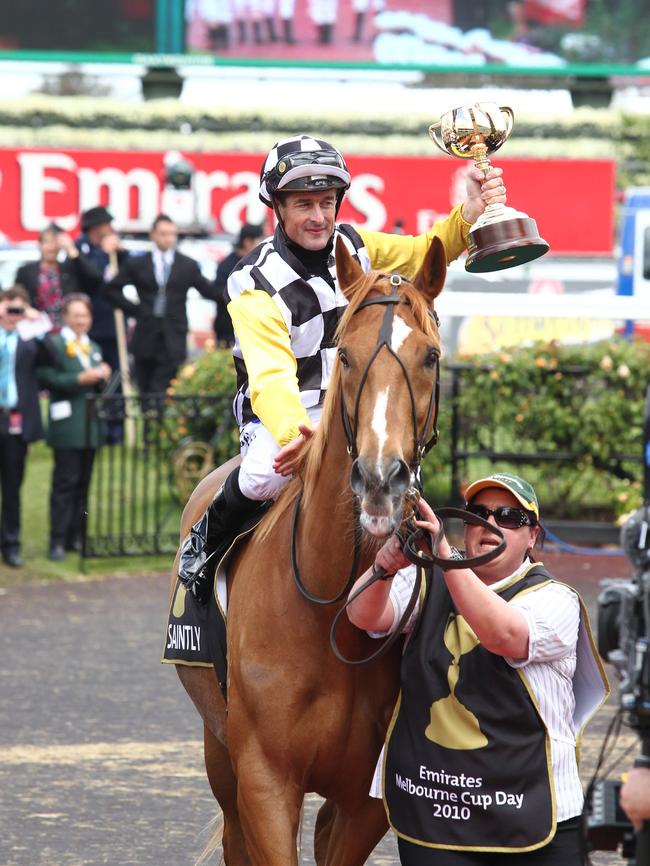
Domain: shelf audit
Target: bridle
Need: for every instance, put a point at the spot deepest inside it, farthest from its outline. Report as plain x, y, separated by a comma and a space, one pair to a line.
421, 444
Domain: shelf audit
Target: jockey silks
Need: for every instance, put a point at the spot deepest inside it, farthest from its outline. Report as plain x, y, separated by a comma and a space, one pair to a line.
468, 758
311, 307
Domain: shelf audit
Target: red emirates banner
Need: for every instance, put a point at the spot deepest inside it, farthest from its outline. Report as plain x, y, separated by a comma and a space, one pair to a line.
38, 187
556, 11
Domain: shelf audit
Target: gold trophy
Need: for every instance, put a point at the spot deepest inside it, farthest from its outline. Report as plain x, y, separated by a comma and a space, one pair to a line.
501, 237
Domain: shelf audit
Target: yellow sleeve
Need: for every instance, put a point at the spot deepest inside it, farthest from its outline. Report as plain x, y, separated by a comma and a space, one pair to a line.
270, 363
405, 253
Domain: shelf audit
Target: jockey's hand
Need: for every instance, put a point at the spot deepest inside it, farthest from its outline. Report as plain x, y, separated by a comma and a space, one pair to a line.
287, 458
482, 190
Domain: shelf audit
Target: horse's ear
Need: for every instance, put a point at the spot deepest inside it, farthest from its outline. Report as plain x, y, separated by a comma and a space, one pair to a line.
348, 270
430, 279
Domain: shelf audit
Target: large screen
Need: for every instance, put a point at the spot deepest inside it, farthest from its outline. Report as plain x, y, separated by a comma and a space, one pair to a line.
591, 37
542, 34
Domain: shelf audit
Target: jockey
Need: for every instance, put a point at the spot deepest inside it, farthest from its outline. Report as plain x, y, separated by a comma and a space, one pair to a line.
285, 304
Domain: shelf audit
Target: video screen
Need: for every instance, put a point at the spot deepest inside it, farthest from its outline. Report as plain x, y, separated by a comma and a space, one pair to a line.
420, 33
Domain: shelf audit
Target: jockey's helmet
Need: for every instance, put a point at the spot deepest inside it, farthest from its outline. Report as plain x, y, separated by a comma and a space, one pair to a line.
303, 163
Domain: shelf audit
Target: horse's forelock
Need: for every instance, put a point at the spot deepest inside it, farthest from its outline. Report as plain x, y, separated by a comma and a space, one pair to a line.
374, 280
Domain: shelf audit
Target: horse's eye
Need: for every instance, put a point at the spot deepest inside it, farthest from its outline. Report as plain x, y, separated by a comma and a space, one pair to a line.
343, 359
432, 358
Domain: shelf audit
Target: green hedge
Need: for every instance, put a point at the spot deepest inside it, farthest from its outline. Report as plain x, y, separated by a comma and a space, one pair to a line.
587, 401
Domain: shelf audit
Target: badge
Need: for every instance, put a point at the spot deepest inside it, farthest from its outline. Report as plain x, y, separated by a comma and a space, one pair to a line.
15, 423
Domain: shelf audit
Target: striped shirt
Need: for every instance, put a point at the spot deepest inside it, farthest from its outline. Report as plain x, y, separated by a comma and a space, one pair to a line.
553, 616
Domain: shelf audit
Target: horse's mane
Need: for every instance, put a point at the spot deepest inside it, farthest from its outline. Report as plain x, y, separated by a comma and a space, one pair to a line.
310, 463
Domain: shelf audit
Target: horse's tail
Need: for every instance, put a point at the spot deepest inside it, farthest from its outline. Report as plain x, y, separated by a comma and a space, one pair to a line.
213, 829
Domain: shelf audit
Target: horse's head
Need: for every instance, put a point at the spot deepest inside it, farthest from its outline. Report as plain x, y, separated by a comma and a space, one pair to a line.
389, 350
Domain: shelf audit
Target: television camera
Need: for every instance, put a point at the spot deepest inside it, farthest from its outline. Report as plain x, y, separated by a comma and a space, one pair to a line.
624, 641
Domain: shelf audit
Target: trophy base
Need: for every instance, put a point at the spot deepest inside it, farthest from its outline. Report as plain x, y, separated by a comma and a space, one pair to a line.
504, 244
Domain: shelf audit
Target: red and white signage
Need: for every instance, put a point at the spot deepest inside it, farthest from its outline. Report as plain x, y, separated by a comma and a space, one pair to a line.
38, 187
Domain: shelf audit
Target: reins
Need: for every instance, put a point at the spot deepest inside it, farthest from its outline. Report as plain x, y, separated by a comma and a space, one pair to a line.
421, 445
423, 562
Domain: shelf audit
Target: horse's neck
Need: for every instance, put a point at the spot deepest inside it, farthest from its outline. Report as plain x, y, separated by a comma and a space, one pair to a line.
326, 528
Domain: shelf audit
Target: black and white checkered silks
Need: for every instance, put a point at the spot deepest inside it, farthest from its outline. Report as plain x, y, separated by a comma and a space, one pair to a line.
310, 306
300, 144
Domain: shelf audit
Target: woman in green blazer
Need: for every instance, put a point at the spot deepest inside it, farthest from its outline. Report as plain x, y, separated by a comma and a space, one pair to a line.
79, 370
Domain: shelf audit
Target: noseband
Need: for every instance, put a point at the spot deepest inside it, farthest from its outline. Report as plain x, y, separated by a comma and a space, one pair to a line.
421, 445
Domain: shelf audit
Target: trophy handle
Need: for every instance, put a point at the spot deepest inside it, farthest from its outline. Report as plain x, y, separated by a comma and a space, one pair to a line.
436, 127
510, 118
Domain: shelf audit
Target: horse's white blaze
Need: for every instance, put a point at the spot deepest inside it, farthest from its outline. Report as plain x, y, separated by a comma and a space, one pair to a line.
400, 332
380, 424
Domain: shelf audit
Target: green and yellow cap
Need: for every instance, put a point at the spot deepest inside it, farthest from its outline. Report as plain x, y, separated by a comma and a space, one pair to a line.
520, 489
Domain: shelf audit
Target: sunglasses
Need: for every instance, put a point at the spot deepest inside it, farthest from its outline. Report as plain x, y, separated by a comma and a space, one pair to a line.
506, 516
16, 311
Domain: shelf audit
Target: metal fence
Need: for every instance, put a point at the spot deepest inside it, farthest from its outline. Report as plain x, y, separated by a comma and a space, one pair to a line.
140, 484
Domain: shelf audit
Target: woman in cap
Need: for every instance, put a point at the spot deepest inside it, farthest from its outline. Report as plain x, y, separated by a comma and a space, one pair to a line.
499, 677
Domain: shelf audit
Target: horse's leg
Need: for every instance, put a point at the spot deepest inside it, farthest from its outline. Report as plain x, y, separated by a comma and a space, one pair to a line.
269, 805
324, 820
202, 686
354, 832
224, 787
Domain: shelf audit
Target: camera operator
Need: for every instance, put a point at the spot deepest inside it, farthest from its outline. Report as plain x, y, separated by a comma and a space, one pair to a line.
635, 795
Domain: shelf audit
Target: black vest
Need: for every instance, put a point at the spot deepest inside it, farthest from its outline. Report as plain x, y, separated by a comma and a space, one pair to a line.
468, 760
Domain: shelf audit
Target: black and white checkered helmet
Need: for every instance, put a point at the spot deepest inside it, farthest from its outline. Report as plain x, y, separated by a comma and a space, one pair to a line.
303, 162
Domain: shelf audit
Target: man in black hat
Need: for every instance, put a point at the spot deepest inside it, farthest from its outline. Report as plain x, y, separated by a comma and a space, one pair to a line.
100, 245
102, 248
249, 236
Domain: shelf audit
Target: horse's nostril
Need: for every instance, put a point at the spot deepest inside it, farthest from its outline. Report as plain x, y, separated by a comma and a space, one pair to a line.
357, 482
398, 477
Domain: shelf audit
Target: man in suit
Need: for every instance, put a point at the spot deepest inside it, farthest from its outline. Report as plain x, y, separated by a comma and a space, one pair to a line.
162, 279
49, 280
250, 236
102, 249
20, 415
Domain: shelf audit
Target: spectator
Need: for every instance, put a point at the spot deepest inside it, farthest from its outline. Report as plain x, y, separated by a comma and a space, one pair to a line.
20, 415
48, 280
103, 251
78, 370
249, 236
56, 273
101, 247
162, 278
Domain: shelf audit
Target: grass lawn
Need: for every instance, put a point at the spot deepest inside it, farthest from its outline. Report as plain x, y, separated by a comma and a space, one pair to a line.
35, 537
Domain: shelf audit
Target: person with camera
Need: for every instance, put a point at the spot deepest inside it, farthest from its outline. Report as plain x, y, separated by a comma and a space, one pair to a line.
480, 761
20, 415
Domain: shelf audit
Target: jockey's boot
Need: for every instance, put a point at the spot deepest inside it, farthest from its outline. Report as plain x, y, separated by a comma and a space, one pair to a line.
211, 536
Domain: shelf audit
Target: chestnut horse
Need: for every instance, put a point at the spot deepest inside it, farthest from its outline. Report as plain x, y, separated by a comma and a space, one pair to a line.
299, 720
